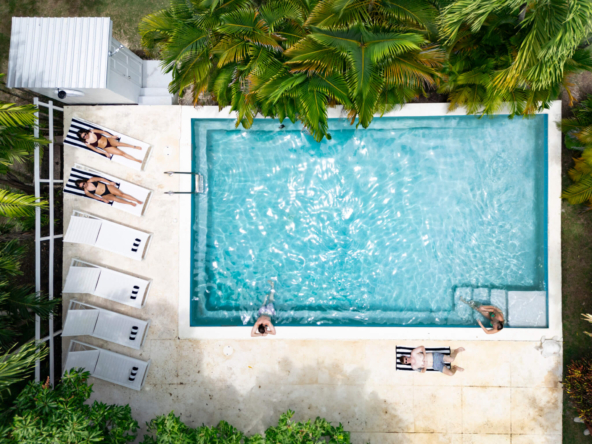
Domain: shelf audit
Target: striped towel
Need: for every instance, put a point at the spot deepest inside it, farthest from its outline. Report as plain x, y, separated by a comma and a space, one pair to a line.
73, 140
76, 174
406, 351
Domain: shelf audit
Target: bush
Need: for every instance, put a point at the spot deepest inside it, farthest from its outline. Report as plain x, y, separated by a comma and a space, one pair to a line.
41, 414
578, 384
170, 429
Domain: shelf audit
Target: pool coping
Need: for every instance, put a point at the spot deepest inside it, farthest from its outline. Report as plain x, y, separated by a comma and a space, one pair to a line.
186, 331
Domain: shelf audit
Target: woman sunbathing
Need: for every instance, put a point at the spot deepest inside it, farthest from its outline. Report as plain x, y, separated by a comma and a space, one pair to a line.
103, 142
105, 191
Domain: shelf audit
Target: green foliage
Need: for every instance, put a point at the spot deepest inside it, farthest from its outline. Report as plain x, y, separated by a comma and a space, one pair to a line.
169, 429
60, 416
513, 51
18, 364
578, 384
578, 136
295, 58
18, 303
18, 205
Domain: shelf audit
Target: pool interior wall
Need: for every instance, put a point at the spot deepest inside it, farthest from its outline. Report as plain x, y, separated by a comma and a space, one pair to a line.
384, 226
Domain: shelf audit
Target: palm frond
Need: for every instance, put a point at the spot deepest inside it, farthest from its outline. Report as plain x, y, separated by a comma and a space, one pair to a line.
18, 205
16, 365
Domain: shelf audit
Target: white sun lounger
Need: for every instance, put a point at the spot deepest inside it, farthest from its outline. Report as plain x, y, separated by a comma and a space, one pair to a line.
72, 139
84, 172
107, 365
85, 319
92, 230
84, 277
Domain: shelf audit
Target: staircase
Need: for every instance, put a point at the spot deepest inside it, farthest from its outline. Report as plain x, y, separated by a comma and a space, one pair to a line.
520, 308
155, 84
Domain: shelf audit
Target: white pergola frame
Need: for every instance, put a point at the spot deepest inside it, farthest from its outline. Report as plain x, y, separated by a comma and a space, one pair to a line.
51, 238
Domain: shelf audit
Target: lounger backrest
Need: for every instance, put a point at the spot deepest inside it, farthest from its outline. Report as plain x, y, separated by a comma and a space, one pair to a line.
121, 370
121, 329
123, 240
80, 322
86, 359
121, 287
83, 230
82, 280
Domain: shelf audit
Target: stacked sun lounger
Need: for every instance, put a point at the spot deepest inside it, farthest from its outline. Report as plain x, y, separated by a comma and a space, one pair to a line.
85, 277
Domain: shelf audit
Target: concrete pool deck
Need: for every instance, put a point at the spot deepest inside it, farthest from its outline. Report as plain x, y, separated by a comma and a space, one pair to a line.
509, 393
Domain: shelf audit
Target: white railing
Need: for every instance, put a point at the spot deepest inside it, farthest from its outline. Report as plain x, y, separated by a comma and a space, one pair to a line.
50, 181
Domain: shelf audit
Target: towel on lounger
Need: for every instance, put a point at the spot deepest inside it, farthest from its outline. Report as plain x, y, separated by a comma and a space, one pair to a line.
406, 351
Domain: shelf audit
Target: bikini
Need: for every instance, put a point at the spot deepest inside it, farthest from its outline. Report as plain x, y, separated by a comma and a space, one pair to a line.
99, 138
96, 185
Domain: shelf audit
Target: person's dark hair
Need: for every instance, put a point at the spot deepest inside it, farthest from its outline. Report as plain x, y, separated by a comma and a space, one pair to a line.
80, 183
500, 325
261, 328
81, 133
402, 359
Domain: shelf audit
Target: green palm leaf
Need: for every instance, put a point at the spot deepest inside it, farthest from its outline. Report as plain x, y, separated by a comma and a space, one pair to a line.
17, 205
16, 365
579, 192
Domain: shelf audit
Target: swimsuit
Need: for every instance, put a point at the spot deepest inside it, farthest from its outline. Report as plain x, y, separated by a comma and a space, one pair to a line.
104, 145
96, 185
266, 310
438, 362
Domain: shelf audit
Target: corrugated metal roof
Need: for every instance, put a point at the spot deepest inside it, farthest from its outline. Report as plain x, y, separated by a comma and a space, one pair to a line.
59, 52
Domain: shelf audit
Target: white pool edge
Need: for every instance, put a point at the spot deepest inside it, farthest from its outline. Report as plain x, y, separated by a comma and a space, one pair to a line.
349, 333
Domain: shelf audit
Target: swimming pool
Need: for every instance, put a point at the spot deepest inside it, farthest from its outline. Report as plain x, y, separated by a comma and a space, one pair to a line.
377, 227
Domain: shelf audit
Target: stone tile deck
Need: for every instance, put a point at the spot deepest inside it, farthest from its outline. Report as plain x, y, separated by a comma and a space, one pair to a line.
508, 394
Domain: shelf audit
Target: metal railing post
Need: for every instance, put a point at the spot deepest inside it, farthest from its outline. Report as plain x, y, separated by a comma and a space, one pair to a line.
37, 236
51, 241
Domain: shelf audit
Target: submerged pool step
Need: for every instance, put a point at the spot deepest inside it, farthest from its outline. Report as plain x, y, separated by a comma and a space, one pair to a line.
527, 308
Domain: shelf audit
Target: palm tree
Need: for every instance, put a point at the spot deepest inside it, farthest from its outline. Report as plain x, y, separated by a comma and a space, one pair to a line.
294, 58
513, 51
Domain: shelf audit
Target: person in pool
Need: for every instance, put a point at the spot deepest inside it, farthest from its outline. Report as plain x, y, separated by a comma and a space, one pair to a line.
263, 326
105, 143
420, 361
494, 314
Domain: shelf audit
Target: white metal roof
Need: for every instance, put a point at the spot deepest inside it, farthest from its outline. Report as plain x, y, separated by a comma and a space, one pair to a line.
59, 52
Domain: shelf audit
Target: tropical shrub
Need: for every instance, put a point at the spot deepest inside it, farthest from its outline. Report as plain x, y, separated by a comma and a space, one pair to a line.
169, 428
42, 414
578, 384
578, 136
514, 51
294, 58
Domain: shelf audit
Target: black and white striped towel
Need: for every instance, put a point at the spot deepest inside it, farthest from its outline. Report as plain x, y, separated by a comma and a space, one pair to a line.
76, 174
72, 138
406, 351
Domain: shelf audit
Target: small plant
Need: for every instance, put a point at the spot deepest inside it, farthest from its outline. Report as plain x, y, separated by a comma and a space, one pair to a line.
170, 429
41, 414
578, 384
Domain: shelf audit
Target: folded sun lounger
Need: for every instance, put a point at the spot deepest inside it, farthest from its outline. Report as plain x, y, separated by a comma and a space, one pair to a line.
84, 172
92, 230
72, 139
86, 319
84, 277
406, 351
107, 365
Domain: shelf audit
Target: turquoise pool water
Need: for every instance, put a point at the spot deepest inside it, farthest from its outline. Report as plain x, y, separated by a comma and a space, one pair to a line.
375, 227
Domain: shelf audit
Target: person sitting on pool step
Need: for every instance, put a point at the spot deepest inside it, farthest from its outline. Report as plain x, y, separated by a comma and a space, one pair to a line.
263, 326
494, 314
420, 361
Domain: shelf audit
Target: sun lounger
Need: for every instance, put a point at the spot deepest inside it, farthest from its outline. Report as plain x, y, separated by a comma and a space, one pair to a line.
84, 277
72, 139
86, 319
92, 230
406, 351
84, 172
107, 365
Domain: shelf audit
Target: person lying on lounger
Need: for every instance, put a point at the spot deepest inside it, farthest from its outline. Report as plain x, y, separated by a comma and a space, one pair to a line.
420, 361
105, 191
103, 142
263, 326
494, 314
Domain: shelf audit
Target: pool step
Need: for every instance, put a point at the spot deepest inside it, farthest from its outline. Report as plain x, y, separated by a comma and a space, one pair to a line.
462, 314
465, 315
527, 308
